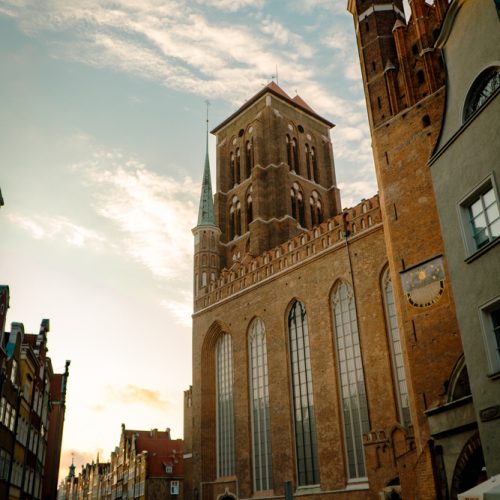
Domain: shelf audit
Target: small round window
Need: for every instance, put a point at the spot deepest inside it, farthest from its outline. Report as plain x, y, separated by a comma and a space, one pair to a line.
483, 87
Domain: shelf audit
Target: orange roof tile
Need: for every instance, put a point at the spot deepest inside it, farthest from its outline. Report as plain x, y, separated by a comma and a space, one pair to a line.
275, 89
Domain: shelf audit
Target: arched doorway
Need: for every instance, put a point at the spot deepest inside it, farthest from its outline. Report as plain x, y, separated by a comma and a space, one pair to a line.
469, 467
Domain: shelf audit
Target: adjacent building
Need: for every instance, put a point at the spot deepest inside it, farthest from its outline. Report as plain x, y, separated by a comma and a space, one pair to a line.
147, 465
465, 170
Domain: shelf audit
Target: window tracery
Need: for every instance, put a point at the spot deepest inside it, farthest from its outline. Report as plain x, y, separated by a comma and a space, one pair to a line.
352, 381
303, 404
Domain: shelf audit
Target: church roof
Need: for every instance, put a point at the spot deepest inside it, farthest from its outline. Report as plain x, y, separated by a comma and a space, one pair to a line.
275, 89
206, 215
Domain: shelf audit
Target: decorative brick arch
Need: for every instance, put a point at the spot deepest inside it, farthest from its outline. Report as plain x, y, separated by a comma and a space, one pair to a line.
469, 466
208, 424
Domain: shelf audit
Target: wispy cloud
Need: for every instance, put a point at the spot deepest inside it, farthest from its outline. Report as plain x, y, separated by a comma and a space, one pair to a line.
57, 227
180, 309
153, 214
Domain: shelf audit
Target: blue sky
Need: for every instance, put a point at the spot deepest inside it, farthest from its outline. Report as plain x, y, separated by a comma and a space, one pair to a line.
102, 140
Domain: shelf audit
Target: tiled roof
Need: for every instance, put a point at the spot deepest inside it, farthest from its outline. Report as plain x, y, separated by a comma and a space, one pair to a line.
160, 450
275, 89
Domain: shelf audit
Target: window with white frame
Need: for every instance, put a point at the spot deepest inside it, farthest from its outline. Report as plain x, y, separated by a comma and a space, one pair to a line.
490, 319
480, 216
225, 410
352, 380
259, 400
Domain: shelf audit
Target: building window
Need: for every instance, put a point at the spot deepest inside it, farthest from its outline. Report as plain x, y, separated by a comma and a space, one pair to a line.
237, 166
485, 85
480, 216
316, 209
490, 322
259, 396
249, 157
308, 162
302, 392
396, 352
225, 410
235, 218
298, 212
249, 208
314, 161
352, 381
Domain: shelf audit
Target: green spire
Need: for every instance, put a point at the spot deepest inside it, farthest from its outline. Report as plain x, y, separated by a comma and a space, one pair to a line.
206, 211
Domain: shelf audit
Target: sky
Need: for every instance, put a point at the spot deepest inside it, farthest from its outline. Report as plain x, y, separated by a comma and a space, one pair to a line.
102, 140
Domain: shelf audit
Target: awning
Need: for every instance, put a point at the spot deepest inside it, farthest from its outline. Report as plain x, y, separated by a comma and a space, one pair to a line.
489, 490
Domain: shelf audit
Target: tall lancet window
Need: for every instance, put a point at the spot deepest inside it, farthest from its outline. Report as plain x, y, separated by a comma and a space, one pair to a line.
259, 401
396, 352
297, 200
306, 447
249, 157
314, 161
237, 166
308, 162
316, 208
352, 380
234, 218
225, 409
249, 208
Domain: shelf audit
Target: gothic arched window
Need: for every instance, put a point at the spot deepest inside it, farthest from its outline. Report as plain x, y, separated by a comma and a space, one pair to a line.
249, 157
314, 161
295, 156
259, 401
237, 166
249, 208
396, 352
232, 169
352, 380
308, 162
289, 152
235, 218
225, 408
298, 212
316, 209
306, 447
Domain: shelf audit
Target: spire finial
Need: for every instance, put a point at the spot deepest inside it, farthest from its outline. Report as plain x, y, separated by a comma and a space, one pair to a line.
206, 210
207, 102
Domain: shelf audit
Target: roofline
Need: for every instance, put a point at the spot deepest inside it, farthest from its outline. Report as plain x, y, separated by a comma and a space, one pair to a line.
257, 96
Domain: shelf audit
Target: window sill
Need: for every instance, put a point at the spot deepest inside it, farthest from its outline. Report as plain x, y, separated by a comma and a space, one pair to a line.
494, 375
482, 250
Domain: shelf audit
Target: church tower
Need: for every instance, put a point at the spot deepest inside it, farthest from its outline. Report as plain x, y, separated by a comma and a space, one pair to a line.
403, 80
275, 174
206, 235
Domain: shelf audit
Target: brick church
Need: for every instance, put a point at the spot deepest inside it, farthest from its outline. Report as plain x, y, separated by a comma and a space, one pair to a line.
326, 350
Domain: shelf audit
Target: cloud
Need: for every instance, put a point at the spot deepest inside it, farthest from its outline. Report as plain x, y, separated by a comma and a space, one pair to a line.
232, 5
133, 395
153, 215
57, 227
181, 310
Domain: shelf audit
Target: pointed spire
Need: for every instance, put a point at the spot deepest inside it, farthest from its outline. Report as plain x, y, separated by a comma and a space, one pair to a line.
206, 211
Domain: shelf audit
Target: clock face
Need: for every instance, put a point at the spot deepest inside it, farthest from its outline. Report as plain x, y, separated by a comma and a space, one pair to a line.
424, 285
